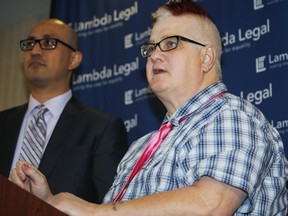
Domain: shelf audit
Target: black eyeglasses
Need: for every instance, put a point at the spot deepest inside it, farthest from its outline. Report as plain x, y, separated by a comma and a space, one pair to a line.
165, 45
45, 44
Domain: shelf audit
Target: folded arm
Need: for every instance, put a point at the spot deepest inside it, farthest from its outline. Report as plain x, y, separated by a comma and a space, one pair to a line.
205, 197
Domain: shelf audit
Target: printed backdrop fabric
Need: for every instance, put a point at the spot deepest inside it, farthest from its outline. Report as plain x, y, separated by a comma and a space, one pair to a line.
112, 74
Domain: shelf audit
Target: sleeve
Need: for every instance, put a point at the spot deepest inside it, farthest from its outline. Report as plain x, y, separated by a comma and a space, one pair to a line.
236, 152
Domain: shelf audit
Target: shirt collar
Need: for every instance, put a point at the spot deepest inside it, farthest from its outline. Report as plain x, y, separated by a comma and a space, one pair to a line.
195, 102
54, 105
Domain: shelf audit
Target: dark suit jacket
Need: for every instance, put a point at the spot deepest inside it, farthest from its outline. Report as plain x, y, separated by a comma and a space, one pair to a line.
82, 154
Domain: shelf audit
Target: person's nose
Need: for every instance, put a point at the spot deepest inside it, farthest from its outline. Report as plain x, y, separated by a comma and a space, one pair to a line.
157, 54
36, 49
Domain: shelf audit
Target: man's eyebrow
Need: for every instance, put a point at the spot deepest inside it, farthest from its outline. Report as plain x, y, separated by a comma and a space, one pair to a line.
44, 36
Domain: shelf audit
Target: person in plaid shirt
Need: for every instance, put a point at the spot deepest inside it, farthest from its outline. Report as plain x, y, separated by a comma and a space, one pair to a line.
222, 156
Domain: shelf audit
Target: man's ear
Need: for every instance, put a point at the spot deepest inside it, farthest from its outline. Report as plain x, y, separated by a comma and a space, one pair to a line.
208, 58
76, 59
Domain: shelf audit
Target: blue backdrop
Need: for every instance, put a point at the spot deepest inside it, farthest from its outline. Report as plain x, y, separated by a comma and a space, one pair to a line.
112, 74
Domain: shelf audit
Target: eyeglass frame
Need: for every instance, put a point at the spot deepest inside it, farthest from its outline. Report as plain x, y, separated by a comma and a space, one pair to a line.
178, 37
39, 42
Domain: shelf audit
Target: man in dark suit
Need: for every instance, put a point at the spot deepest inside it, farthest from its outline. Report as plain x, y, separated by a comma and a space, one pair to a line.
83, 146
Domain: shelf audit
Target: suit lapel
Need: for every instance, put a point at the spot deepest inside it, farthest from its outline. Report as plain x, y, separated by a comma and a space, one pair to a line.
60, 137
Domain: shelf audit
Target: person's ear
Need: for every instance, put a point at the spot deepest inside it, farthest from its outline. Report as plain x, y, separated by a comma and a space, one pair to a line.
76, 58
208, 57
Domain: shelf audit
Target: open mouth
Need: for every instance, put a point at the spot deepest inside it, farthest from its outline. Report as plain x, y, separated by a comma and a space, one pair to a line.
158, 71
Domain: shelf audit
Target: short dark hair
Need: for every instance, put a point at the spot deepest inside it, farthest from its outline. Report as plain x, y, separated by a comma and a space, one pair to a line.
180, 7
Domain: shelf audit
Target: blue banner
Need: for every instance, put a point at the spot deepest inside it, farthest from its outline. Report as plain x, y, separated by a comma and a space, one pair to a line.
112, 75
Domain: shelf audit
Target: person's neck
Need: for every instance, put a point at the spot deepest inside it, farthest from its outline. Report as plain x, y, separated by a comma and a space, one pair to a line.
43, 96
173, 104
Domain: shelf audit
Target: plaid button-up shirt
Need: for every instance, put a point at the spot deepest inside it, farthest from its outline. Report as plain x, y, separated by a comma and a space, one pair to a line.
226, 138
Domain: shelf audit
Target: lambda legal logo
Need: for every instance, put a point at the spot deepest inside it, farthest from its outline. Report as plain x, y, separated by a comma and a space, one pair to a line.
258, 4
128, 97
260, 64
128, 41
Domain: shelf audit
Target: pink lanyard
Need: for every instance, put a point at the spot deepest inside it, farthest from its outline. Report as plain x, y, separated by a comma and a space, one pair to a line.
150, 149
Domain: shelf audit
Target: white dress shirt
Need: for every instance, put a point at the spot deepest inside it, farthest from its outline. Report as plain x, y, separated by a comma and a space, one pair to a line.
55, 107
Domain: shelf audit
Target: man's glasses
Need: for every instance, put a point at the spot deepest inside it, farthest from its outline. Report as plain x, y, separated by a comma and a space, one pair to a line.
165, 45
45, 44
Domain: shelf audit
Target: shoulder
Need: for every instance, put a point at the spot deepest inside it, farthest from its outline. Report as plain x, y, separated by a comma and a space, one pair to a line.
236, 104
75, 107
18, 109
